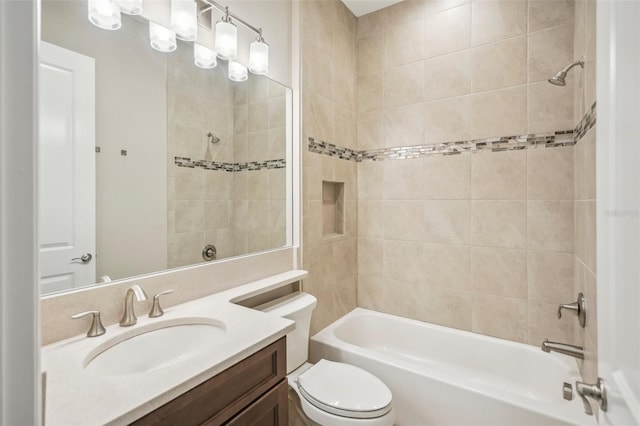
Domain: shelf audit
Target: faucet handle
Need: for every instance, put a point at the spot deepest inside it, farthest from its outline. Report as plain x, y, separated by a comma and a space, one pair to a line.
96, 329
156, 309
596, 391
579, 307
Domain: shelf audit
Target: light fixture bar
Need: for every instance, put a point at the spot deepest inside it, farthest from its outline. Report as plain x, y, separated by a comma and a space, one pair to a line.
224, 10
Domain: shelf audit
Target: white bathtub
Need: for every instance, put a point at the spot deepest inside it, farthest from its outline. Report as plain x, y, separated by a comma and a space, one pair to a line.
443, 376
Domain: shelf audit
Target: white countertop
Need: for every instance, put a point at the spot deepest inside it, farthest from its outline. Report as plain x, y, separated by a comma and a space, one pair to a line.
75, 396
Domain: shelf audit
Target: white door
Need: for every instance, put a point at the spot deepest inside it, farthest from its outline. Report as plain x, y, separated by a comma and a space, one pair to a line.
66, 167
618, 171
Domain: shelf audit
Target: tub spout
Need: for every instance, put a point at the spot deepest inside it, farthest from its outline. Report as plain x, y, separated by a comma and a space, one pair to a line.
563, 348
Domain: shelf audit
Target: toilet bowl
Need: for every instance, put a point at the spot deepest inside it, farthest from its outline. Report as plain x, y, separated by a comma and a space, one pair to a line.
330, 393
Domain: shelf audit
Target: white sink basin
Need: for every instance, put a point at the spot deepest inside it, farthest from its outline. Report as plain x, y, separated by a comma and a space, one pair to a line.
155, 346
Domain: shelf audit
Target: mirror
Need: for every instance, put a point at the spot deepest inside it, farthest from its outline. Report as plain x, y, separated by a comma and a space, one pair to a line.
147, 160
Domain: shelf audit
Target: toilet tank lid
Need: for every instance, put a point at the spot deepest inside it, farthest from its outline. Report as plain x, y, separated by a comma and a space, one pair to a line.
289, 304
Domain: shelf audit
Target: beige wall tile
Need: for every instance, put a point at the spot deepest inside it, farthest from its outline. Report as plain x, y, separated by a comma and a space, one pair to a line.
544, 324
370, 130
545, 14
370, 219
404, 126
277, 112
402, 298
447, 221
499, 175
499, 223
370, 92
257, 146
190, 184
550, 51
240, 119
447, 76
370, 53
550, 107
580, 230
550, 225
447, 177
217, 214
370, 23
403, 180
317, 71
501, 272
345, 258
344, 127
589, 166
320, 118
404, 44
499, 65
550, 276
344, 90
404, 220
371, 180
189, 215
448, 307
258, 116
371, 292
404, 85
550, 173
493, 20
590, 243
446, 265
447, 31
448, 120
370, 252
402, 260
498, 316
402, 13
499, 113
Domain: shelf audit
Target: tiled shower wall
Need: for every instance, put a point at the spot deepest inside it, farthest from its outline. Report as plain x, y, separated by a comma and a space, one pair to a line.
481, 241
585, 183
239, 212
329, 113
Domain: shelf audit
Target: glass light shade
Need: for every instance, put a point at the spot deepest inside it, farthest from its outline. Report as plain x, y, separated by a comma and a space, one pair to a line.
130, 7
204, 57
184, 19
162, 39
237, 72
105, 14
259, 57
226, 40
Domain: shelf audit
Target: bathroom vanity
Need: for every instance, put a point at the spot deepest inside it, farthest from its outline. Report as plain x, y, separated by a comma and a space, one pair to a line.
254, 391
212, 361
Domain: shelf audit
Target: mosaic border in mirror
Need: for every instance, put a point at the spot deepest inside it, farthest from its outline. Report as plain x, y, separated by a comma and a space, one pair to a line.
230, 167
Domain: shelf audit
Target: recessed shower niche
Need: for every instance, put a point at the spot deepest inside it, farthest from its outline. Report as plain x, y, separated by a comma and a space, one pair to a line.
332, 208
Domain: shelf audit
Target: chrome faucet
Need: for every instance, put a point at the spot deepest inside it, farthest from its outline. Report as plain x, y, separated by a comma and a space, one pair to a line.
129, 317
563, 348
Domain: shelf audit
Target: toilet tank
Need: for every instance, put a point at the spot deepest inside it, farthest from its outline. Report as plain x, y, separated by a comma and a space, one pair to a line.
297, 307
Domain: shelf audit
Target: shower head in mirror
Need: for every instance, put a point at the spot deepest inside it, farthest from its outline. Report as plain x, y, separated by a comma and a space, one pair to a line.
560, 77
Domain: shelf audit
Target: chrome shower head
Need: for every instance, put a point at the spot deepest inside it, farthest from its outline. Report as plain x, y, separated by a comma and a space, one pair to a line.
559, 78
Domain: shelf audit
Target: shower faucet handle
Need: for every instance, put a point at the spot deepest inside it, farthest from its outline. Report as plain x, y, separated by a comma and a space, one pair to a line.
579, 307
156, 309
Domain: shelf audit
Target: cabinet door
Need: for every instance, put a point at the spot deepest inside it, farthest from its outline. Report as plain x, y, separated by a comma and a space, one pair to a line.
271, 409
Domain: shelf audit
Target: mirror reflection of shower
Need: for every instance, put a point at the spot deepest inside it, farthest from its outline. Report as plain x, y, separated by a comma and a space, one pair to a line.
559, 78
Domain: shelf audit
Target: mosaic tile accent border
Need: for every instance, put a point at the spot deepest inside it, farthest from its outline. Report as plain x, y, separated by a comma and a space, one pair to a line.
586, 124
505, 143
230, 167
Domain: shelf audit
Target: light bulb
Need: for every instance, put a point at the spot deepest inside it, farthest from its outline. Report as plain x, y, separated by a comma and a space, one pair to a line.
204, 57
130, 7
105, 14
162, 39
226, 40
237, 72
184, 19
259, 57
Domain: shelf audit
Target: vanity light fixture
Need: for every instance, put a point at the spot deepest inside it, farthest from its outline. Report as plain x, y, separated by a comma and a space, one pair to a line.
226, 38
105, 14
237, 71
130, 7
184, 19
259, 56
204, 57
162, 39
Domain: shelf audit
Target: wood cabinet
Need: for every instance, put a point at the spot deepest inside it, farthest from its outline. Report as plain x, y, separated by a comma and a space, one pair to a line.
252, 392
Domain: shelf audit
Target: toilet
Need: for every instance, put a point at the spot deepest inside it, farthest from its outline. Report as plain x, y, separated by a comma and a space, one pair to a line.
330, 393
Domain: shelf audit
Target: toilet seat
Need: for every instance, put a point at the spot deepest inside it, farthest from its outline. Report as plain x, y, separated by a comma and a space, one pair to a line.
344, 390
